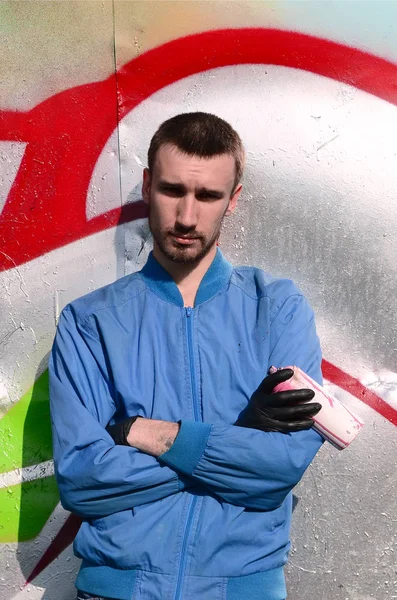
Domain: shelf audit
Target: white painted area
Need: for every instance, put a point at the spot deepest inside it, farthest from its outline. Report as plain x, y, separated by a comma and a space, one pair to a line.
11, 154
384, 384
138, 243
319, 204
49, 283
104, 189
358, 408
4, 398
116, 182
22, 475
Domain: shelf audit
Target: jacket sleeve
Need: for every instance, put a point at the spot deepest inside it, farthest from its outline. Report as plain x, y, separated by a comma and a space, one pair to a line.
247, 467
95, 477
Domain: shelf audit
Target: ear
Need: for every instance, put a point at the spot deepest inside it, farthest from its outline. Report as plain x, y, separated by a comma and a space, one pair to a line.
233, 200
146, 186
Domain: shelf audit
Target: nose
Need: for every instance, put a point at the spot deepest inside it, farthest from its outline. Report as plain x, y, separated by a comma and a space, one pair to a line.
187, 212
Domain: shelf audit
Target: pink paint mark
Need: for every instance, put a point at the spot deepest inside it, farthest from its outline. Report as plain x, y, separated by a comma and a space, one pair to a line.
352, 385
62, 540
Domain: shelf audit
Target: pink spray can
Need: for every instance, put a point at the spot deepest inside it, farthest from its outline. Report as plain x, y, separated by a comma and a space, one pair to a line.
334, 421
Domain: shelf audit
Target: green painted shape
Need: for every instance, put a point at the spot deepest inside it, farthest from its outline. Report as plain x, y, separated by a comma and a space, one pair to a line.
25, 509
25, 440
25, 430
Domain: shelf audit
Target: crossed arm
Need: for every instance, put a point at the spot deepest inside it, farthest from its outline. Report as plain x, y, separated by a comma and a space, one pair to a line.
152, 436
241, 466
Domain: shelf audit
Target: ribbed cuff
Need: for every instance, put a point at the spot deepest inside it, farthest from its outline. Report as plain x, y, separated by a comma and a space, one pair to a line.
100, 580
188, 447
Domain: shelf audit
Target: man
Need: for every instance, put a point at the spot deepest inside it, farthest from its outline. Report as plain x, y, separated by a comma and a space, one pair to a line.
168, 441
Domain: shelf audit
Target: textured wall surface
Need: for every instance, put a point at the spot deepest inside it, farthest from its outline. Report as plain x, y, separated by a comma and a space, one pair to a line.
312, 88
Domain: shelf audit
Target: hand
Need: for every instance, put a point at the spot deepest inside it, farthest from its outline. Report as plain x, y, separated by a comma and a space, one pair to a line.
282, 411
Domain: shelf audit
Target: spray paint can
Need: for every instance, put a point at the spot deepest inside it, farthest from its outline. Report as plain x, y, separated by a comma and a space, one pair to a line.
334, 421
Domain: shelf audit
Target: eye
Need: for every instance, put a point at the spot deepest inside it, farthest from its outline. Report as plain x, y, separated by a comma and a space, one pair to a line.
171, 191
207, 196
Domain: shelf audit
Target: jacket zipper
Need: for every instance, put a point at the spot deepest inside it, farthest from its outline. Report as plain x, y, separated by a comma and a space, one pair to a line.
189, 324
193, 501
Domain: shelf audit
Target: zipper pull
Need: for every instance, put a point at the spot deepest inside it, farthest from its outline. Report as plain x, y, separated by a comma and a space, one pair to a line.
189, 311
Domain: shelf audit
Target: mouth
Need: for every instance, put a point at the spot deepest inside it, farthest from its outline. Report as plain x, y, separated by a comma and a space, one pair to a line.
185, 240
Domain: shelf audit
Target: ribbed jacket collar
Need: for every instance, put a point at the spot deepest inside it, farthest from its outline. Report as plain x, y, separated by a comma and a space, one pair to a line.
162, 284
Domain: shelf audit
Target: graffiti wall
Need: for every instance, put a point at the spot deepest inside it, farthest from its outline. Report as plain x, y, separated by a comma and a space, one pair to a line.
311, 86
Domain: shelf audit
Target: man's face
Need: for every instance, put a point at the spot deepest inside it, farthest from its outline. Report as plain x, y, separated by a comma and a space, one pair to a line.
188, 197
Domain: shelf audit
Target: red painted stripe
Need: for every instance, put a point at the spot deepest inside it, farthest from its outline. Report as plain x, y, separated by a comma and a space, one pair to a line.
200, 52
47, 201
352, 385
62, 540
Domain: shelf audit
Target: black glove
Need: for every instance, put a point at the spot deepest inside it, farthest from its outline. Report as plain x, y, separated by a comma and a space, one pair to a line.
120, 431
282, 411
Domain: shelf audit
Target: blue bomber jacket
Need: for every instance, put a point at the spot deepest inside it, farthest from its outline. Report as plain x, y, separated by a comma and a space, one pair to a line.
210, 518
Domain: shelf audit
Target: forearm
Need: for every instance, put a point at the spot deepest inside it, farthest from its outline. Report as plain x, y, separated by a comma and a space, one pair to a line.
95, 477
244, 467
152, 436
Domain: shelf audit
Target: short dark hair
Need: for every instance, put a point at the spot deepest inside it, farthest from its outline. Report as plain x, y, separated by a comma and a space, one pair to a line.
199, 134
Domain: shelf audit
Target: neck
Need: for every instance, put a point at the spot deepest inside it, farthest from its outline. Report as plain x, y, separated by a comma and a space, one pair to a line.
186, 276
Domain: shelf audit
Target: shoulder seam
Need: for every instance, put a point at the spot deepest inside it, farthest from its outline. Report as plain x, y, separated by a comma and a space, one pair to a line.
279, 306
85, 319
299, 295
247, 294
